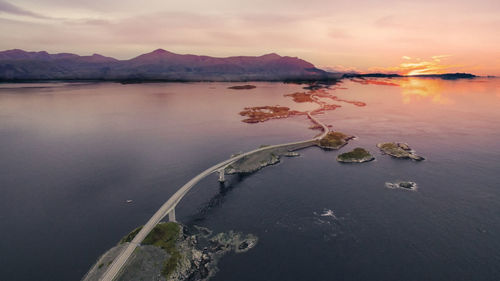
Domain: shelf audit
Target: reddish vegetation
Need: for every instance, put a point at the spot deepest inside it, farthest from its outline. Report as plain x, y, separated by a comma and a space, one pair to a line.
316, 127
264, 113
374, 82
322, 93
356, 103
325, 107
300, 97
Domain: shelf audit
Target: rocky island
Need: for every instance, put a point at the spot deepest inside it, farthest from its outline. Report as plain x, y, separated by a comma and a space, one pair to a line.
408, 185
243, 87
263, 113
357, 155
334, 140
174, 252
399, 150
256, 161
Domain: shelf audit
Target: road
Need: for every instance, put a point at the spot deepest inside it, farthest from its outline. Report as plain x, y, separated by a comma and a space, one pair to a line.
169, 206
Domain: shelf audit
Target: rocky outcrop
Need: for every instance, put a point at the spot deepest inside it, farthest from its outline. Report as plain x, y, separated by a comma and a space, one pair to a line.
357, 155
408, 185
201, 251
399, 150
256, 161
195, 249
252, 163
334, 140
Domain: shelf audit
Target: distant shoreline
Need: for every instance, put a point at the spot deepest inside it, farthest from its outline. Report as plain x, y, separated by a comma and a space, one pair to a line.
447, 76
160, 66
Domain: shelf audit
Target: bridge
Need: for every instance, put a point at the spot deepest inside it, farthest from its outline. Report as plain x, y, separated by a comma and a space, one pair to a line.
168, 208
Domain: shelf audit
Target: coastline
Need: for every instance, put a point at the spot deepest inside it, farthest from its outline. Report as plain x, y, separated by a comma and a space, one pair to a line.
335, 78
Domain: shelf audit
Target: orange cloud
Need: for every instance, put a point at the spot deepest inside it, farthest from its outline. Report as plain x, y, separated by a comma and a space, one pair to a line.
419, 67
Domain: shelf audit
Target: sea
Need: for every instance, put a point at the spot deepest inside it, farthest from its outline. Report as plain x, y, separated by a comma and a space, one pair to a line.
82, 164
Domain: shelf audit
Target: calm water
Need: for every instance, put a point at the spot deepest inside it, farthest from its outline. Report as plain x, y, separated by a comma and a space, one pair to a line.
72, 154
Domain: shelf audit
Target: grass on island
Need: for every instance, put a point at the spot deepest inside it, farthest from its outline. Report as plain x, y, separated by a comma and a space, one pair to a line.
356, 154
389, 146
399, 150
165, 236
334, 140
130, 236
394, 149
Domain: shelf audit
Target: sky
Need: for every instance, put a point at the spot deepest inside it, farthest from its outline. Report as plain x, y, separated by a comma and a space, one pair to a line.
396, 36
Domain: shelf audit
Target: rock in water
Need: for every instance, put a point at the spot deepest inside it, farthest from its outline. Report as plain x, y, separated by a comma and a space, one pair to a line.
408, 185
399, 150
334, 140
357, 155
174, 252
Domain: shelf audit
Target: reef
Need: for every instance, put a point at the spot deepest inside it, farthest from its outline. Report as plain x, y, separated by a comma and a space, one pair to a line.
357, 155
399, 150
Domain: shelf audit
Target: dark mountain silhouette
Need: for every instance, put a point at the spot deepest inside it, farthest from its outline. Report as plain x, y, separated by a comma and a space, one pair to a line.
159, 65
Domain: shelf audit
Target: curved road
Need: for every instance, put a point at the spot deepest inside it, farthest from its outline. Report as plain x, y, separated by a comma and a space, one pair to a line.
169, 206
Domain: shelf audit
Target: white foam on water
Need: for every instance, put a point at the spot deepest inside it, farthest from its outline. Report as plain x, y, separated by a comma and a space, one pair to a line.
328, 213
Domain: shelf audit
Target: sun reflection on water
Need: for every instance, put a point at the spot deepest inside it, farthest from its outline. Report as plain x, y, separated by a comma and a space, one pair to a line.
413, 89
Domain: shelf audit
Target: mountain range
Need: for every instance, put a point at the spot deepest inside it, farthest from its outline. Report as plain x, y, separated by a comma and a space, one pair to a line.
159, 65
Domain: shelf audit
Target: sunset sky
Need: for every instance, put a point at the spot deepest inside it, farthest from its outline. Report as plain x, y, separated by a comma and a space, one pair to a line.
407, 37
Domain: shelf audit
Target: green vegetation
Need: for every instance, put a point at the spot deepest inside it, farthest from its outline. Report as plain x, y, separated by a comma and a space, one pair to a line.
131, 235
100, 265
356, 155
165, 236
334, 140
391, 146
